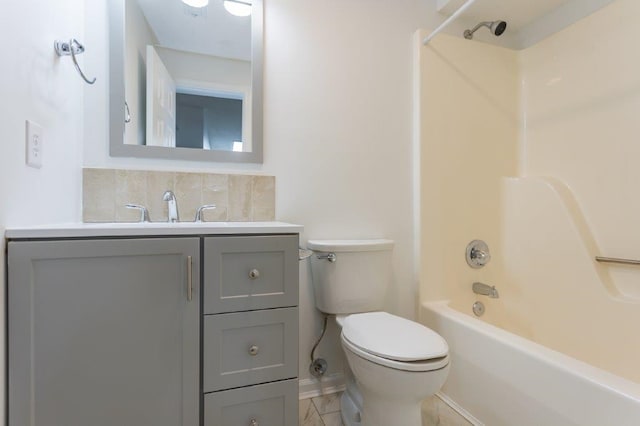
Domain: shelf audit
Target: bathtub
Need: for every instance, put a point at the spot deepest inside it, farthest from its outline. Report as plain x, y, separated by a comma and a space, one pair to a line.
499, 378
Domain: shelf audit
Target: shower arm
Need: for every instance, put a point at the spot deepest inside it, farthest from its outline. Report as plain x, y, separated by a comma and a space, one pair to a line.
480, 25
449, 20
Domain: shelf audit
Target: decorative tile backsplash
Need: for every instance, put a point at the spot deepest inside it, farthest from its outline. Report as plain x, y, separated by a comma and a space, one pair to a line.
238, 198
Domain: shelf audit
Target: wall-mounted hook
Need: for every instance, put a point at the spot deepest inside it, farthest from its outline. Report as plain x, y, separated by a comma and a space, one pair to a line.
72, 48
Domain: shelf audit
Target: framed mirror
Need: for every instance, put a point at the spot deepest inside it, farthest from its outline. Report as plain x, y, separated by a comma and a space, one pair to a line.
186, 82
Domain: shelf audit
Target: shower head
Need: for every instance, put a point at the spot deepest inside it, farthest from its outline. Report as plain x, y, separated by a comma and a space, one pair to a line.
496, 28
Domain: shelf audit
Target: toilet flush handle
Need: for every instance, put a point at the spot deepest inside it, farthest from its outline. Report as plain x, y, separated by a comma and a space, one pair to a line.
331, 257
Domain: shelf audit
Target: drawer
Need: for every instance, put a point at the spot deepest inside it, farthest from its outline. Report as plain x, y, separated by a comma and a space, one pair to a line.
273, 404
247, 348
248, 273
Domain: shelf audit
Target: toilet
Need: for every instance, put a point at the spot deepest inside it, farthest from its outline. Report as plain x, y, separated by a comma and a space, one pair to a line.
394, 363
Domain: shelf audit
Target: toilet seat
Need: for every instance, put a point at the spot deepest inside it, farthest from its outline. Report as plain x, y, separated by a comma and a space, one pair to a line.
412, 366
394, 342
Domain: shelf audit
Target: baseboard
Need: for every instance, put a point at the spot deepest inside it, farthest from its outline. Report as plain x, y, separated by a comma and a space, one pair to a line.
310, 388
458, 409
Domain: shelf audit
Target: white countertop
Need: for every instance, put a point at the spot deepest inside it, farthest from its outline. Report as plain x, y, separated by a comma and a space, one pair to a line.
75, 230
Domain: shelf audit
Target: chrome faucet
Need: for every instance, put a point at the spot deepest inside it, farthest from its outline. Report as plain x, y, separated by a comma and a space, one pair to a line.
485, 290
172, 205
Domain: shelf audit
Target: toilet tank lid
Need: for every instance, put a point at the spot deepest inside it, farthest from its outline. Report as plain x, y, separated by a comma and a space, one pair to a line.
350, 245
392, 337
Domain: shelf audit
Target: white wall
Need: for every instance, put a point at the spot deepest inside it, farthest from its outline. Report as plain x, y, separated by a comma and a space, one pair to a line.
338, 131
338, 123
39, 86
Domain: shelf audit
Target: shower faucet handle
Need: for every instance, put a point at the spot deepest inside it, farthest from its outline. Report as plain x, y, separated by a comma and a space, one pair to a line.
477, 254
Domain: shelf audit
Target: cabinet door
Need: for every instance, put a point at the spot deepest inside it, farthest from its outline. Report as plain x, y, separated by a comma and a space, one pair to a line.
102, 332
249, 273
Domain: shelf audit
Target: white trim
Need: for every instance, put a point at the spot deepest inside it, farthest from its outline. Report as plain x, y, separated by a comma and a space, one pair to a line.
449, 20
458, 409
310, 388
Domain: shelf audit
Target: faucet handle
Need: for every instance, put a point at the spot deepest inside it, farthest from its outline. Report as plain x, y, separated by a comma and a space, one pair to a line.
477, 254
201, 209
144, 213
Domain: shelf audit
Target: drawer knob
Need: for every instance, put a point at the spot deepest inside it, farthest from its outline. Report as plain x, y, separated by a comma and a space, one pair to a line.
253, 422
254, 273
253, 350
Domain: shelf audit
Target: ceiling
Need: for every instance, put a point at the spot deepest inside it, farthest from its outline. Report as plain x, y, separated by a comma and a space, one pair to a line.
213, 32
528, 21
517, 13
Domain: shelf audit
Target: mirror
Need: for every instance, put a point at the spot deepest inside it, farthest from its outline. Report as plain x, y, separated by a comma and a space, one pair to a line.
185, 82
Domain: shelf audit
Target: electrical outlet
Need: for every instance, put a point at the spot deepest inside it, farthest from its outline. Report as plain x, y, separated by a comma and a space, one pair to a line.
34, 144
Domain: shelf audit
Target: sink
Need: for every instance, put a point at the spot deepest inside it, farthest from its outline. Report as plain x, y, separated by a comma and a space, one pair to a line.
119, 229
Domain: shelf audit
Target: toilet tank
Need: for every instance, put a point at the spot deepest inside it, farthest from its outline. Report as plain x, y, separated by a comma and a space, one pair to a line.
358, 279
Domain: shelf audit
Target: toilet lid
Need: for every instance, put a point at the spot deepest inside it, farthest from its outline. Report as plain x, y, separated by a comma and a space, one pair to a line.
392, 337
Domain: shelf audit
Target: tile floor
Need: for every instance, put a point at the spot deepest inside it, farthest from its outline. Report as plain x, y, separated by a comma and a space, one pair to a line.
320, 411
325, 411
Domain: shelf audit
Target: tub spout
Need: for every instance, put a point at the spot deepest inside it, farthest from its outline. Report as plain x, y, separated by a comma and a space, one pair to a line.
485, 290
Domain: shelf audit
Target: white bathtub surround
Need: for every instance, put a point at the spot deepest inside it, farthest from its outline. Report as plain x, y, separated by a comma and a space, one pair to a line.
534, 152
238, 198
468, 131
581, 100
504, 379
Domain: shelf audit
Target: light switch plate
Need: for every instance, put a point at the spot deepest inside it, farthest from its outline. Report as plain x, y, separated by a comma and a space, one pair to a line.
34, 144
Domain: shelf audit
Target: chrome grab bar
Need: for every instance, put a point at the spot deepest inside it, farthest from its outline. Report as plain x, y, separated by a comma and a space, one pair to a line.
617, 260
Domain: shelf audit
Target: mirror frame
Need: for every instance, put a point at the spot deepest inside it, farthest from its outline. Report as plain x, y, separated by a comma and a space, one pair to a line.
117, 147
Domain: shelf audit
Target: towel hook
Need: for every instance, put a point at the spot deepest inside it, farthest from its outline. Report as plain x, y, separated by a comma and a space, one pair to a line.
73, 48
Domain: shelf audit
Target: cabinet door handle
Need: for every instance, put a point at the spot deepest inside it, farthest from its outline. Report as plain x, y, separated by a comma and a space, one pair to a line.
189, 278
254, 274
253, 422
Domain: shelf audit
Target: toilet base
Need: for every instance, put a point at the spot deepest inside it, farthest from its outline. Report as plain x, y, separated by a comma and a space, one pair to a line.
390, 396
351, 400
349, 411
378, 410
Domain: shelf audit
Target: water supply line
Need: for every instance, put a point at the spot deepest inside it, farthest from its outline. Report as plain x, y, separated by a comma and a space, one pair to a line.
318, 366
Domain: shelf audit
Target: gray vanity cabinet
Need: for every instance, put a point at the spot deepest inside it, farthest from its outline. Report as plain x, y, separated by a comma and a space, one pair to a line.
104, 332
126, 331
